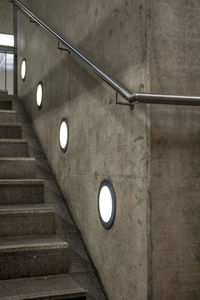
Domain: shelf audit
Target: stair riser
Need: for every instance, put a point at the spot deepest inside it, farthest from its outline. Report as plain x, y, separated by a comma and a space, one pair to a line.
10, 132
7, 117
17, 169
13, 149
34, 263
21, 194
26, 224
3, 93
5, 104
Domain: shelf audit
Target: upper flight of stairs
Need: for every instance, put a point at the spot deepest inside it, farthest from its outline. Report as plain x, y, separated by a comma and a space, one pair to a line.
34, 260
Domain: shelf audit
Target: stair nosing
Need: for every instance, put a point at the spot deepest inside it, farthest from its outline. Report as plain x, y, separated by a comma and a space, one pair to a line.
7, 111
3, 158
33, 245
9, 140
19, 182
14, 124
26, 209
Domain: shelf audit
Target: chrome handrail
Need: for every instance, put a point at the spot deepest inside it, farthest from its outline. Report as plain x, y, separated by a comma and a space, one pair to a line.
119, 88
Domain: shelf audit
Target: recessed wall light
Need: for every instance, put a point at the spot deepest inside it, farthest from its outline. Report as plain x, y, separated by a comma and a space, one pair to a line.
64, 134
23, 69
39, 95
106, 204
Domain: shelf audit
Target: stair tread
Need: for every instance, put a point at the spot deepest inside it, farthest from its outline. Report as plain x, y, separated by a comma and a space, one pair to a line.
21, 181
11, 124
18, 158
26, 209
7, 111
12, 140
37, 287
16, 244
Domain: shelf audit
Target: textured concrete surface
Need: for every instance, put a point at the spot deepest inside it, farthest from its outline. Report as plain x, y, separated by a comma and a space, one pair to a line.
6, 17
106, 140
175, 155
147, 45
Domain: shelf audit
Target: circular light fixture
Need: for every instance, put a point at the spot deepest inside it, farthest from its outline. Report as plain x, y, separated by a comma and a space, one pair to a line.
23, 69
39, 95
106, 204
64, 134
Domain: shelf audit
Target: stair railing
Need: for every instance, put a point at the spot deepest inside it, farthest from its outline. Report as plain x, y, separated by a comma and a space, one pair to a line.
131, 97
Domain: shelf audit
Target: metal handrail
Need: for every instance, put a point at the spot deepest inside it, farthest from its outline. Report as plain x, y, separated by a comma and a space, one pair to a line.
119, 88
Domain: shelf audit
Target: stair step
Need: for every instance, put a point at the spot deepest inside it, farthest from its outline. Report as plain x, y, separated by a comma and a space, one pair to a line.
13, 148
10, 131
3, 93
26, 220
21, 191
48, 287
32, 256
8, 116
5, 103
17, 167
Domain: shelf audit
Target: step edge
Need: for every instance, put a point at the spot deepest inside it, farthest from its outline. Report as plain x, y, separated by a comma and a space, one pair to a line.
8, 111
9, 140
17, 248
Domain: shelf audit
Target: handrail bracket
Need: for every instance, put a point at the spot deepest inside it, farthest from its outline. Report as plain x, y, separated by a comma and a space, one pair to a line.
63, 49
131, 105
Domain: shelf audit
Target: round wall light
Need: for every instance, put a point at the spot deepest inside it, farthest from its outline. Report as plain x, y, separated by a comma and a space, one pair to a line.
64, 134
106, 204
23, 69
39, 95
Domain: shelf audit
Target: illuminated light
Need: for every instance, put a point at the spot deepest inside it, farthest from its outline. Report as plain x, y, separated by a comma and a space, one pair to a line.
64, 134
23, 69
106, 204
39, 95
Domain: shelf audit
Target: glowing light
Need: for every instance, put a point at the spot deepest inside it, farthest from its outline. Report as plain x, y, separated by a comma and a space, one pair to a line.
23, 69
64, 134
106, 204
39, 95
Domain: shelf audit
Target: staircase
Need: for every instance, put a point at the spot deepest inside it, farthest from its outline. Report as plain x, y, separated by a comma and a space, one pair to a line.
34, 260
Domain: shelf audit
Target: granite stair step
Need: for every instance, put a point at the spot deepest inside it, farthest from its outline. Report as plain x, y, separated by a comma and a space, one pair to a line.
13, 148
3, 92
5, 102
32, 256
49, 287
10, 131
23, 220
21, 191
8, 116
17, 167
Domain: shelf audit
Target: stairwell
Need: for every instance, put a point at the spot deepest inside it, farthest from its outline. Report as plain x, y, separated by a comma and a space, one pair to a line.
41, 255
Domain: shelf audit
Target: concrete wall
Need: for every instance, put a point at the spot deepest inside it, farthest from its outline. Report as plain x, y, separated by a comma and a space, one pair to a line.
175, 151
106, 140
6, 17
